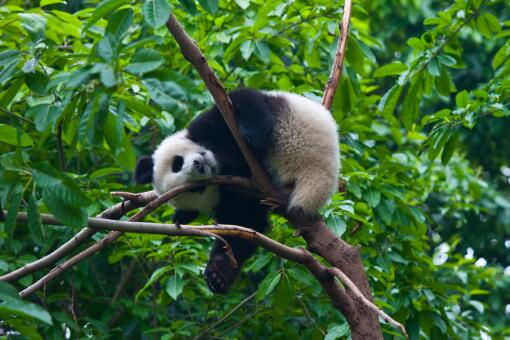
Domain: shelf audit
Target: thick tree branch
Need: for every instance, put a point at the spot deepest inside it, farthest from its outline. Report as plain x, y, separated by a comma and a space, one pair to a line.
338, 64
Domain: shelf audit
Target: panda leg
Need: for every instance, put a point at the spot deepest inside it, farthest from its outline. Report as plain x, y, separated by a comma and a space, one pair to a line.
238, 210
184, 217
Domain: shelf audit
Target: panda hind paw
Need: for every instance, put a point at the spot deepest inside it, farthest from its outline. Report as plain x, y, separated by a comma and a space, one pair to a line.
219, 274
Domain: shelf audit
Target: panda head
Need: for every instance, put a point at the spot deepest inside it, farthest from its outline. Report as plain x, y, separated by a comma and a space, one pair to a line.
177, 160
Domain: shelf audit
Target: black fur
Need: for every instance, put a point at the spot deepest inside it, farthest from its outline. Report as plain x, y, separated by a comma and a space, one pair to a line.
144, 170
255, 114
177, 163
184, 216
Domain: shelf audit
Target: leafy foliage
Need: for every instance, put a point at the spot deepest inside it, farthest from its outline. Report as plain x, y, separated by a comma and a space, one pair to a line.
422, 107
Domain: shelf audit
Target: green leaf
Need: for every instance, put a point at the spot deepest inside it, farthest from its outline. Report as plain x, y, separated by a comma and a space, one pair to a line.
119, 23
501, 55
417, 44
211, 6
51, 2
15, 196
145, 60
106, 74
243, 3
247, 48
372, 197
29, 66
354, 56
9, 55
385, 210
190, 6
462, 99
104, 172
34, 221
411, 104
393, 69
57, 200
104, 8
284, 294
367, 51
433, 67
37, 82
449, 148
268, 285
488, 24
15, 306
106, 49
162, 94
9, 135
443, 82
389, 101
447, 60
156, 12
39, 114
337, 332
262, 51
10, 93
155, 276
174, 286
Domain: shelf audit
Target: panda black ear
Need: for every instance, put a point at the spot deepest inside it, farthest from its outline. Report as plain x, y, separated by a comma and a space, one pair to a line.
144, 170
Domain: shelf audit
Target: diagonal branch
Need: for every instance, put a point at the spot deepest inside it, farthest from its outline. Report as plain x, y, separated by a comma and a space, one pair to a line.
338, 64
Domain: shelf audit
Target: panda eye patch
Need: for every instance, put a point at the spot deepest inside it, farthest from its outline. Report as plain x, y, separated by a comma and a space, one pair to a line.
177, 163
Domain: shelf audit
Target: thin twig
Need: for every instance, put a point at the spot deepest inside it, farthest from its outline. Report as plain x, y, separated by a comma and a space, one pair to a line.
60, 148
338, 64
15, 115
226, 316
124, 279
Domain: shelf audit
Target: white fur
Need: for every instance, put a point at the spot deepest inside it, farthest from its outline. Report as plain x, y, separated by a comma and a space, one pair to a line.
305, 152
165, 179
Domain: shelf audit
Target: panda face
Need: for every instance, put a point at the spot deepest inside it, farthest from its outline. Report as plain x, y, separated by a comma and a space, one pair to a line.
178, 160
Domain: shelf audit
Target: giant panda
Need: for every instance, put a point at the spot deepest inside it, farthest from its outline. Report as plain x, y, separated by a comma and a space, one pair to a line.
294, 138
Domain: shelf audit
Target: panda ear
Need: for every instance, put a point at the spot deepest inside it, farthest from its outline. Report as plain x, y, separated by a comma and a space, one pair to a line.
144, 170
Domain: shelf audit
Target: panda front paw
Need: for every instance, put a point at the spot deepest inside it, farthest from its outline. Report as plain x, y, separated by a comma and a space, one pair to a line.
219, 274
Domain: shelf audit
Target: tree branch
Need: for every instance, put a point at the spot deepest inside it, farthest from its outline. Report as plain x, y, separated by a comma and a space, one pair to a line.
338, 64
323, 275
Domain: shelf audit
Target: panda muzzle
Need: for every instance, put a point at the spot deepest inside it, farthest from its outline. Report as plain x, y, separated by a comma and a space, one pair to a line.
199, 166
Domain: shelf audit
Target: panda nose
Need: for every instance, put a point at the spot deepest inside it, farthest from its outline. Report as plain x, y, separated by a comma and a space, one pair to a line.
199, 166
